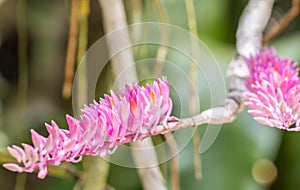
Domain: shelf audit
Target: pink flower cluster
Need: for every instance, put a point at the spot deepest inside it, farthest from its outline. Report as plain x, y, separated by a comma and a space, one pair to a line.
274, 90
115, 120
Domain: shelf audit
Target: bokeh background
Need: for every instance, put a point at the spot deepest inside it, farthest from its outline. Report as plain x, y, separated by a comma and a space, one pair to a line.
246, 155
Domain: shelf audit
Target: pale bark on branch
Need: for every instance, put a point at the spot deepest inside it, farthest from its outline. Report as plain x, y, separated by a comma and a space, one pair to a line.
248, 41
283, 22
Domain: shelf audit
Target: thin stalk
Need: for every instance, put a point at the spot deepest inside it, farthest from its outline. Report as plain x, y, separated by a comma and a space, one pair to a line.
162, 50
193, 103
20, 181
283, 22
23, 74
71, 50
160, 58
175, 176
82, 48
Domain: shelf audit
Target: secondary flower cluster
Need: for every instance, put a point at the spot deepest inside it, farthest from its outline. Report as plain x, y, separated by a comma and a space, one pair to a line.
274, 90
103, 126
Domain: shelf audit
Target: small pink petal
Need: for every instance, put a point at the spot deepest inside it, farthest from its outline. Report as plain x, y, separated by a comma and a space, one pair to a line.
16, 154
43, 172
13, 167
37, 139
276, 123
256, 113
264, 121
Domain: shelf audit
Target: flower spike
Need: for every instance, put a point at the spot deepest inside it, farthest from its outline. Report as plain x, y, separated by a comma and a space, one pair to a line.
274, 90
104, 125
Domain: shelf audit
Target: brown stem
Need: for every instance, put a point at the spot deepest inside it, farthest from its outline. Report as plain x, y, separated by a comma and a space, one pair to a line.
162, 50
193, 103
175, 177
284, 21
71, 50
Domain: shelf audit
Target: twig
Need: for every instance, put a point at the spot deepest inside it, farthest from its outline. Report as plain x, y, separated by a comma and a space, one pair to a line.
20, 181
171, 126
192, 23
160, 58
82, 48
134, 11
71, 50
95, 173
135, 16
193, 106
162, 50
284, 21
174, 161
114, 18
197, 156
251, 26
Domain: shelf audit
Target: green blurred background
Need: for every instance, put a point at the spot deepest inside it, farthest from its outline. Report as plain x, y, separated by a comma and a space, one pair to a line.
241, 157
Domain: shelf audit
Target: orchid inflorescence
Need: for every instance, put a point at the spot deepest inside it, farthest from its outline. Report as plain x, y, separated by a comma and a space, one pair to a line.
274, 90
103, 126
140, 112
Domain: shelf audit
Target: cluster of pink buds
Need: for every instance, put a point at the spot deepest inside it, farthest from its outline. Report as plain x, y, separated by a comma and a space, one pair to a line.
274, 90
104, 125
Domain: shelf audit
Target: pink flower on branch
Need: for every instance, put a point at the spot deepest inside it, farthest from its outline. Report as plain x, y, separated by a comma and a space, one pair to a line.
274, 90
131, 115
